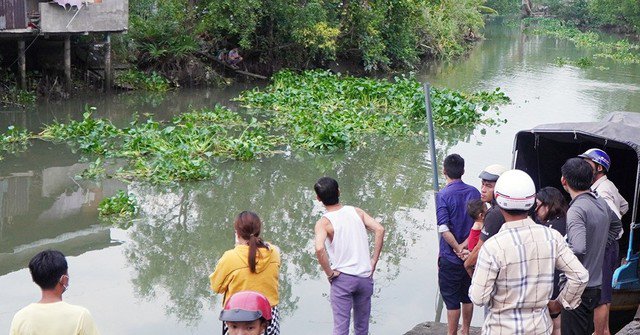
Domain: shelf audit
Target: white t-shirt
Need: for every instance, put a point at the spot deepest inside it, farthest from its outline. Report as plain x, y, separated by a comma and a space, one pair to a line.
59, 318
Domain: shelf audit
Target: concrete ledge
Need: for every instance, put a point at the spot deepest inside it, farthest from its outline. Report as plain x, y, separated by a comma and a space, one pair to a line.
436, 328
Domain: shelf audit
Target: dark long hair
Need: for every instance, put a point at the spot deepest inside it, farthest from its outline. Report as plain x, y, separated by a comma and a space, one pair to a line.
554, 200
248, 225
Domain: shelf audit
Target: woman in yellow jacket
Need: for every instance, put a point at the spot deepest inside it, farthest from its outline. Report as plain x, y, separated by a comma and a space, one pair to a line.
253, 265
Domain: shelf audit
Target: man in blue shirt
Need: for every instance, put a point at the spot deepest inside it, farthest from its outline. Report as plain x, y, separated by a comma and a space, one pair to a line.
454, 225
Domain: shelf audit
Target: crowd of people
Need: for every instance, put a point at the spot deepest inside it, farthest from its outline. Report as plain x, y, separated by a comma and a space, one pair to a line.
537, 264
247, 276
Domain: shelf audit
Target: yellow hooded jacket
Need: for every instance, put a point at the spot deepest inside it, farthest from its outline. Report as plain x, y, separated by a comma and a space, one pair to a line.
232, 273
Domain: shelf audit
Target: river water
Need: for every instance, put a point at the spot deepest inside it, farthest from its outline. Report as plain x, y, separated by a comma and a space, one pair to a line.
152, 277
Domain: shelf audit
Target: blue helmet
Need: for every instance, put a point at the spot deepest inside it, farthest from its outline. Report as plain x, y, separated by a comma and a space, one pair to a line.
598, 156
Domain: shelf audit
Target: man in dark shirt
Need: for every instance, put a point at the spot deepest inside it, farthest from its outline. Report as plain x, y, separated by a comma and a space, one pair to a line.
454, 225
590, 224
493, 220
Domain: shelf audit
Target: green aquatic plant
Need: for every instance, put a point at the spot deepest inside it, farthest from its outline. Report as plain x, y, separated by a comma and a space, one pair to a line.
14, 140
313, 110
95, 170
17, 97
322, 110
91, 135
119, 209
621, 50
139, 80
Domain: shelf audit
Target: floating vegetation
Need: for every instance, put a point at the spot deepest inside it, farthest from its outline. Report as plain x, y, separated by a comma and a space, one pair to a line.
17, 97
14, 140
321, 110
314, 110
179, 150
622, 50
95, 170
138, 80
120, 208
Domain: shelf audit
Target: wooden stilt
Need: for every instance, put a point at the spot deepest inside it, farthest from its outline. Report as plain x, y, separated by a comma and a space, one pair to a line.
22, 65
107, 64
67, 63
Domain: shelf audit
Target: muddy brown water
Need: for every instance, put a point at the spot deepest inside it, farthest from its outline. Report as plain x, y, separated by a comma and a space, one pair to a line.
152, 277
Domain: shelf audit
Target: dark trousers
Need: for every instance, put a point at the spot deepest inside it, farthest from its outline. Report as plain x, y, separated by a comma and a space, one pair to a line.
579, 321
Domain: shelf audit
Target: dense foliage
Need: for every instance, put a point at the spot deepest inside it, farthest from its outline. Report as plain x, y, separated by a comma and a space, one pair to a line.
286, 33
621, 14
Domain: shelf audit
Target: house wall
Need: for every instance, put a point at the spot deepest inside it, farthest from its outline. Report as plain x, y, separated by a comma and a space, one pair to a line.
13, 14
108, 15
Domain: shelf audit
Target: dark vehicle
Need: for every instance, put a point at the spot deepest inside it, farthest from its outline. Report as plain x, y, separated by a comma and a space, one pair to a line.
541, 152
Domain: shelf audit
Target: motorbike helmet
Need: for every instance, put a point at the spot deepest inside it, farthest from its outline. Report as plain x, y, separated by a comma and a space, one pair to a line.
515, 191
598, 156
246, 306
492, 172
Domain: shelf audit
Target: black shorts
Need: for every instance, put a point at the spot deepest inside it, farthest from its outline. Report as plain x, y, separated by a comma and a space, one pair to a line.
609, 265
454, 282
579, 321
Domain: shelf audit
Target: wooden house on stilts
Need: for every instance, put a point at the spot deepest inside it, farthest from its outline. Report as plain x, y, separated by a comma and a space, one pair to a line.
26, 21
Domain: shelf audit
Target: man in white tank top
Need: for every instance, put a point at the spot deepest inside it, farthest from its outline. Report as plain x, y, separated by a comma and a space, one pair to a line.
342, 249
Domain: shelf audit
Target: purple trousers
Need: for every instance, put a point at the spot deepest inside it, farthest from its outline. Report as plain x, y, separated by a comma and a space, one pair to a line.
349, 292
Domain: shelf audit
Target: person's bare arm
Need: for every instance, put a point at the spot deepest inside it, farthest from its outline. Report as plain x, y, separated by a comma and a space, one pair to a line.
470, 263
373, 225
321, 252
451, 240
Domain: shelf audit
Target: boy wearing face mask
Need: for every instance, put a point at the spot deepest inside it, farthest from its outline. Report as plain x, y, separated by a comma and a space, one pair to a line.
51, 315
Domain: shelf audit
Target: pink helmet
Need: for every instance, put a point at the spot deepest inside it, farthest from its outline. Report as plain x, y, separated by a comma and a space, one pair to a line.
246, 306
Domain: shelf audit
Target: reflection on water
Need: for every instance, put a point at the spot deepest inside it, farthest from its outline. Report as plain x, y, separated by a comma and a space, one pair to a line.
188, 228
157, 270
42, 206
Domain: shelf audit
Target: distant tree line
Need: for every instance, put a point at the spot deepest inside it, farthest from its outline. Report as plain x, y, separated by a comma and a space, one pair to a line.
271, 34
621, 15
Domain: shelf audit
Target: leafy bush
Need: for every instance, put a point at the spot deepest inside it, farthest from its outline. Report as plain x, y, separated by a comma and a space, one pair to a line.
281, 33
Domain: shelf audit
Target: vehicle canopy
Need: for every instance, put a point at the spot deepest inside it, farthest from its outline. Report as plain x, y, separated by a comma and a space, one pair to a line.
542, 151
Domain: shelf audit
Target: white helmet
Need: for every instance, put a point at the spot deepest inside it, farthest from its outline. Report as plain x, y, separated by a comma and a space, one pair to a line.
492, 172
515, 190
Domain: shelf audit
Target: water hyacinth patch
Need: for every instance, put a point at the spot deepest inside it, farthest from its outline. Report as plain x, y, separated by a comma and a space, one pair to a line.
118, 209
313, 110
181, 149
322, 110
14, 140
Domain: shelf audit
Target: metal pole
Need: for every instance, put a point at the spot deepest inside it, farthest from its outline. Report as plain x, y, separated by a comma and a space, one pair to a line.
432, 137
434, 167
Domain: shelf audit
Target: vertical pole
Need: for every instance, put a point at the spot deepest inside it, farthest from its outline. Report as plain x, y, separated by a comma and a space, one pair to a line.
432, 137
22, 65
107, 63
434, 168
67, 63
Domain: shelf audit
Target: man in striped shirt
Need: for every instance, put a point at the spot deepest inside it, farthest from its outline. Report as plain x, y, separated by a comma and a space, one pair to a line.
514, 272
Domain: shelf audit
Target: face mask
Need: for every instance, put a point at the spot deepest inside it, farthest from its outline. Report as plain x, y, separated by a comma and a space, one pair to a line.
66, 287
